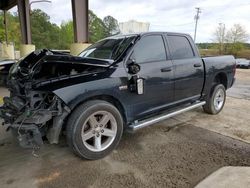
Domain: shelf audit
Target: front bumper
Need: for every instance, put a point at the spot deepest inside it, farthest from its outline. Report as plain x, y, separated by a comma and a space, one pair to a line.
28, 130
31, 124
28, 135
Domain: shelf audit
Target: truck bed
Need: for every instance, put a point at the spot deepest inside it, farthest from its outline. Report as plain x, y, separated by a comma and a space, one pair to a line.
218, 64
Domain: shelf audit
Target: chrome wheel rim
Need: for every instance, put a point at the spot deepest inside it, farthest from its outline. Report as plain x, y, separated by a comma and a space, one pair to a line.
99, 131
219, 99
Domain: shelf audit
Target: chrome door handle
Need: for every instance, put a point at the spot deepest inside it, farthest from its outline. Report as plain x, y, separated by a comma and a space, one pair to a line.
197, 65
167, 69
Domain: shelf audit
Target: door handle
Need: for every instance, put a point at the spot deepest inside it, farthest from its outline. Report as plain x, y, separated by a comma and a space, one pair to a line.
197, 65
167, 69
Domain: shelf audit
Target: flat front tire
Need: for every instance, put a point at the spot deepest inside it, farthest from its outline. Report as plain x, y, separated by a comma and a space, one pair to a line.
94, 129
216, 100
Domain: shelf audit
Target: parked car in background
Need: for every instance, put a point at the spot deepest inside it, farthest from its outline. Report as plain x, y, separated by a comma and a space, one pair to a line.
4, 70
242, 63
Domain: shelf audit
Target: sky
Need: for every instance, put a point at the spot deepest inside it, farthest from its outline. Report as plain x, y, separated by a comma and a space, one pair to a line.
174, 15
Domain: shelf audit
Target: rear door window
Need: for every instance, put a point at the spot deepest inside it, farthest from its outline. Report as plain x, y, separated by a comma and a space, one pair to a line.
149, 49
180, 47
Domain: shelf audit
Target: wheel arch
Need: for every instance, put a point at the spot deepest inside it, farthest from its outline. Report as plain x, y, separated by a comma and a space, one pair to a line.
221, 78
108, 98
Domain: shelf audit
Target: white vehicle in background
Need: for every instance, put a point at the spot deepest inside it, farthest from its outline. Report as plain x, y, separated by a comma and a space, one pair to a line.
4, 70
242, 63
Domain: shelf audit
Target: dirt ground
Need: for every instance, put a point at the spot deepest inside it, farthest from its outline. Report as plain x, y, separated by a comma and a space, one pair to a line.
234, 120
179, 152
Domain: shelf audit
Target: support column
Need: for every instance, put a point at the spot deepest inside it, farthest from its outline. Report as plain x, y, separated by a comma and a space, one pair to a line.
80, 10
6, 48
26, 49
24, 17
5, 26
7, 51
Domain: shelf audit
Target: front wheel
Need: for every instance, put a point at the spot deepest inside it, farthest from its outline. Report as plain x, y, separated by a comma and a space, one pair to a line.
94, 129
216, 100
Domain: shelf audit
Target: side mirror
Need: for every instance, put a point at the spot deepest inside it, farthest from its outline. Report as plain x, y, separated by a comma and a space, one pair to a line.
133, 67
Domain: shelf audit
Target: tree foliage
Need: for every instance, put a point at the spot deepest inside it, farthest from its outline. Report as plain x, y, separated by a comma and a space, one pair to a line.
220, 37
237, 34
49, 35
44, 33
13, 26
66, 35
97, 28
111, 24
231, 41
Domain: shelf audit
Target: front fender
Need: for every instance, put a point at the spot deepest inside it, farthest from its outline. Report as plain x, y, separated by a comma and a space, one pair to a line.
75, 94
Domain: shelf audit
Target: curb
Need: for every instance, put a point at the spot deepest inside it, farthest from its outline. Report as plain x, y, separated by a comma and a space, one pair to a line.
227, 177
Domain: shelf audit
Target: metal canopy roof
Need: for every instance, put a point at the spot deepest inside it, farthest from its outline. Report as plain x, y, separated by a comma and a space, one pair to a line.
7, 4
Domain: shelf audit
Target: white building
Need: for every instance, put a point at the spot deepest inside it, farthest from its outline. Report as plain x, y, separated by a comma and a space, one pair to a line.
133, 26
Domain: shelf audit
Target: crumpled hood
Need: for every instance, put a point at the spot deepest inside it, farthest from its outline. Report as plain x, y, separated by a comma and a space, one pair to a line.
44, 56
46, 69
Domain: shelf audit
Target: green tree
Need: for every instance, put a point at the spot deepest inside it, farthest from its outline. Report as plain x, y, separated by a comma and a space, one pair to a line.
231, 41
235, 38
44, 33
48, 35
66, 35
111, 24
13, 29
220, 37
97, 29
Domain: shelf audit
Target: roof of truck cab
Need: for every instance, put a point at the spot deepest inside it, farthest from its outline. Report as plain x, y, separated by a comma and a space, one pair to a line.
145, 33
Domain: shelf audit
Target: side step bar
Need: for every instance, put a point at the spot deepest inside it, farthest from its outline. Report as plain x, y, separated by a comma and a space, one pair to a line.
144, 123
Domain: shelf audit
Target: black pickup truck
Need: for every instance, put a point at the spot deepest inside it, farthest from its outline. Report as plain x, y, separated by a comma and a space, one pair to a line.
124, 82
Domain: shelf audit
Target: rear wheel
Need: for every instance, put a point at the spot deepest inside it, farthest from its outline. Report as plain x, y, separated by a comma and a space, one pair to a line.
215, 102
94, 129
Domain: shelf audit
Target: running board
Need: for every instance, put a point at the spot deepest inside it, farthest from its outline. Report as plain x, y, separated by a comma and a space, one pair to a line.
144, 123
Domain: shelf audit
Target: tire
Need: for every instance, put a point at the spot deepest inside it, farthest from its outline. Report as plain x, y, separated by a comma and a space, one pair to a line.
216, 100
94, 129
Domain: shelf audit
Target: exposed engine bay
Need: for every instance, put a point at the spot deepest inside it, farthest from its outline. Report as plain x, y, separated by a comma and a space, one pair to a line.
32, 113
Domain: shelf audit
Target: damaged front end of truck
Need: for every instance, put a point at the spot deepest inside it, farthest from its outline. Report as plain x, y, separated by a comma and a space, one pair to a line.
33, 111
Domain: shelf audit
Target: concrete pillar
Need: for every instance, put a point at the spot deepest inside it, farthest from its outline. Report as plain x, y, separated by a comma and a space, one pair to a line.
7, 51
80, 9
17, 54
24, 17
77, 48
25, 49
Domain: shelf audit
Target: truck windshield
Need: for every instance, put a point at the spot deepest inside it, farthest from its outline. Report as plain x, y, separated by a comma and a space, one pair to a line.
110, 48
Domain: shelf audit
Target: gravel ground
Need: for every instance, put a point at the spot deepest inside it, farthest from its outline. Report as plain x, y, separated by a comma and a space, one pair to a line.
158, 156
234, 120
173, 153
241, 88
